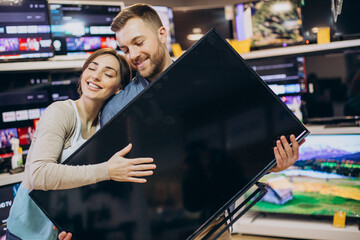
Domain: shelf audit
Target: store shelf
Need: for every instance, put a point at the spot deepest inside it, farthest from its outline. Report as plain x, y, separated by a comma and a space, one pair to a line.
7, 178
294, 227
303, 49
68, 62
51, 64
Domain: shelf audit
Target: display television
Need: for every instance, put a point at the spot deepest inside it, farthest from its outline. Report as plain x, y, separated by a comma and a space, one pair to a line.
346, 26
286, 76
325, 179
315, 15
7, 195
24, 30
192, 24
211, 140
83, 27
269, 23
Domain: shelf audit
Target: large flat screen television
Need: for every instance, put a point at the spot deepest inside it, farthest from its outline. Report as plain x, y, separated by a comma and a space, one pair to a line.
209, 121
346, 26
269, 23
22, 97
316, 14
286, 76
24, 30
80, 28
325, 179
192, 24
7, 194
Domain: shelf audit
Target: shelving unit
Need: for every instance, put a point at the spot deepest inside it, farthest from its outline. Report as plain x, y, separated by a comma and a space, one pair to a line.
294, 227
51, 64
7, 178
62, 63
303, 49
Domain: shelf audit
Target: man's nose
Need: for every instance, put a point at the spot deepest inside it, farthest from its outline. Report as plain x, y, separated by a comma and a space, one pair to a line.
134, 53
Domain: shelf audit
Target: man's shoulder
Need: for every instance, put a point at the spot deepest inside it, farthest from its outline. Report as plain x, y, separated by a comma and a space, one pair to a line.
132, 89
120, 100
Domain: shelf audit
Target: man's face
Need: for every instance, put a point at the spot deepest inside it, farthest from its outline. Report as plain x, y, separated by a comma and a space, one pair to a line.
143, 46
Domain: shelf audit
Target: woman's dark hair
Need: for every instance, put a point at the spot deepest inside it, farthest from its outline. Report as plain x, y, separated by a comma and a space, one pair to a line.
125, 71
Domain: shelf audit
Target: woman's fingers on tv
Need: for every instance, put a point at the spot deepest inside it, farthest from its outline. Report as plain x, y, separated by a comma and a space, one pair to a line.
65, 236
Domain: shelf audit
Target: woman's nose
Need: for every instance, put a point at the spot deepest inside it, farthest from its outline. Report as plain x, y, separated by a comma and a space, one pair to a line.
96, 75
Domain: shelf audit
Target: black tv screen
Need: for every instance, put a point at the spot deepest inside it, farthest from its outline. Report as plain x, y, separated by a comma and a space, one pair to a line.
192, 24
25, 30
209, 122
7, 194
316, 14
346, 24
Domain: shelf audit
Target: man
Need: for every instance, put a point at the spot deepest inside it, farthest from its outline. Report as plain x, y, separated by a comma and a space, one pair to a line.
142, 38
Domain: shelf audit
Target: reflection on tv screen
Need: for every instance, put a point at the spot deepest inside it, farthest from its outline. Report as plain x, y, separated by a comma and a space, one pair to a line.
325, 179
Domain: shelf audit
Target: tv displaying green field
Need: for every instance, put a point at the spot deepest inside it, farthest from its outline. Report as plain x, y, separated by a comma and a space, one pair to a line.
325, 179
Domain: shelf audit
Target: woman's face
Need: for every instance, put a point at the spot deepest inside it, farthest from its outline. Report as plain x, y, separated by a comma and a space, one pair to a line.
101, 79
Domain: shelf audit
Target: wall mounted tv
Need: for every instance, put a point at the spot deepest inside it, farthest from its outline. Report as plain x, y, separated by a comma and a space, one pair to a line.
24, 30
286, 77
269, 23
192, 24
7, 194
346, 24
81, 28
211, 139
325, 179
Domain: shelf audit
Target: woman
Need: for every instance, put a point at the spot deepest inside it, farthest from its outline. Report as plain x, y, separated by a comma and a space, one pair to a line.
63, 127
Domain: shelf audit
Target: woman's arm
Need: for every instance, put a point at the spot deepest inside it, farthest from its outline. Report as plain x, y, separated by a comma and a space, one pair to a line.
55, 129
46, 173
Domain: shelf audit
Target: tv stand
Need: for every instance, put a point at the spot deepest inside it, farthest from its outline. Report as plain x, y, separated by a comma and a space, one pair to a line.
303, 227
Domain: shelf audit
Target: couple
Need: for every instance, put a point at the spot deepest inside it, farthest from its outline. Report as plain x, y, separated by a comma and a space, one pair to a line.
65, 125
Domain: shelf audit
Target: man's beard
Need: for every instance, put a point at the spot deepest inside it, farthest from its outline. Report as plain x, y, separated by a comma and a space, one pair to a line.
156, 64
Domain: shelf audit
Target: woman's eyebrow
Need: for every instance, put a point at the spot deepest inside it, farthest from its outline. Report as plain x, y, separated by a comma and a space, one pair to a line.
111, 68
108, 67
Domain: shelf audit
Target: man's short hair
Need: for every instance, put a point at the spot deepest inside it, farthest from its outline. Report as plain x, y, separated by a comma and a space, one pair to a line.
140, 10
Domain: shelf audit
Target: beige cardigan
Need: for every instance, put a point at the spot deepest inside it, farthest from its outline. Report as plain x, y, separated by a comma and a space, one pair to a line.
54, 132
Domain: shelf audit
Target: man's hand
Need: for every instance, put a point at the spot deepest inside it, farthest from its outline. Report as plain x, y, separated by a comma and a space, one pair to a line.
286, 155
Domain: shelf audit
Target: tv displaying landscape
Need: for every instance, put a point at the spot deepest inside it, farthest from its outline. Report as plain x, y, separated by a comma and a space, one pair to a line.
269, 23
325, 179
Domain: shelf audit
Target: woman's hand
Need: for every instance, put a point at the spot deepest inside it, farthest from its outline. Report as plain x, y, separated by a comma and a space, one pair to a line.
129, 169
63, 235
286, 155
